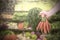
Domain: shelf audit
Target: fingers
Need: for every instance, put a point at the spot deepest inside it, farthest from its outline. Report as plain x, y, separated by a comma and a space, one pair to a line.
44, 14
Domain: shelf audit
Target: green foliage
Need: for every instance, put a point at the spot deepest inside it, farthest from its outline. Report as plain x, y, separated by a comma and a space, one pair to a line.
19, 16
33, 17
28, 34
55, 25
55, 21
31, 36
6, 32
3, 5
55, 17
34, 36
55, 36
26, 24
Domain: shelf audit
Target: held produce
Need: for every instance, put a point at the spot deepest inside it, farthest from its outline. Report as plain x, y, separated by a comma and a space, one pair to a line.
44, 25
33, 17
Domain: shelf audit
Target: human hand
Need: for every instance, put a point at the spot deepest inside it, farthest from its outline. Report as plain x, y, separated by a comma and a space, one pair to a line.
44, 14
52, 11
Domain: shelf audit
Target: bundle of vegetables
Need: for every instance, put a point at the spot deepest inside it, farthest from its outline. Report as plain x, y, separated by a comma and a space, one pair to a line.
33, 17
44, 25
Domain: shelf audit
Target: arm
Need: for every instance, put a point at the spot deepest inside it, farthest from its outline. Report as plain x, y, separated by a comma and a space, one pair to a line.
51, 12
55, 9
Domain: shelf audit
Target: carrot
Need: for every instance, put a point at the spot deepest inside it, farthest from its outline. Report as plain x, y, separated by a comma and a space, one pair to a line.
47, 28
41, 26
38, 26
44, 26
45, 31
48, 25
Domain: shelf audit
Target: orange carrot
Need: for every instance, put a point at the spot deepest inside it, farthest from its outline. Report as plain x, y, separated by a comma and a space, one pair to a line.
41, 26
38, 26
44, 26
48, 27
45, 31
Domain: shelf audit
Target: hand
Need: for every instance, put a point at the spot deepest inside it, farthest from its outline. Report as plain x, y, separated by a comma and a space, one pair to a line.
52, 11
44, 14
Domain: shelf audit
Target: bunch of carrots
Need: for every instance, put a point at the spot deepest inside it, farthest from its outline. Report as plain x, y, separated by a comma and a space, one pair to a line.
44, 25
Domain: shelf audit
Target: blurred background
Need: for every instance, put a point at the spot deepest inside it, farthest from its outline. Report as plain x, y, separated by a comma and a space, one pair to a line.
20, 17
